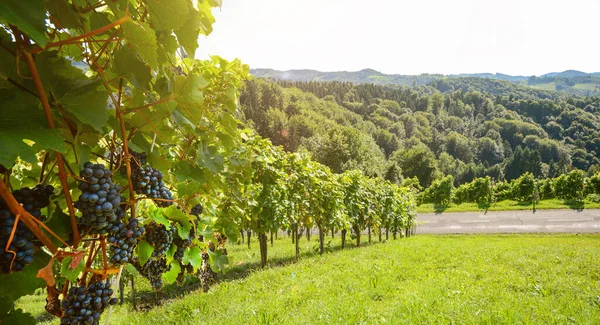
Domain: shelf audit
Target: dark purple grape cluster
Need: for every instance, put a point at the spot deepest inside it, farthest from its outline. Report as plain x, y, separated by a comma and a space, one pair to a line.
153, 271
99, 200
160, 238
196, 210
21, 249
139, 159
148, 182
85, 305
125, 240
182, 245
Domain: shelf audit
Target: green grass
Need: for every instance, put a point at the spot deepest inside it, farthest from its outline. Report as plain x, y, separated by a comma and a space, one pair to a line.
479, 279
545, 86
592, 86
509, 205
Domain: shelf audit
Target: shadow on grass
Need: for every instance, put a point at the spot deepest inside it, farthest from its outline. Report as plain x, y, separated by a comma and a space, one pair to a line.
439, 208
148, 299
575, 205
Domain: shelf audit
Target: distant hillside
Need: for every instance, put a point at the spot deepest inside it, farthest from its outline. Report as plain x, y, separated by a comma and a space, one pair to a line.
570, 81
467, 127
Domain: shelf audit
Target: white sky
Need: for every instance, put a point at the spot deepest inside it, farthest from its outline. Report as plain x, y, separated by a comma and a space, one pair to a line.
518, 37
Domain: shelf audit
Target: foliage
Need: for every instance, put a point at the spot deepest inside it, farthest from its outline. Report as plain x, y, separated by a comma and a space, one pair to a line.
108, 90
523, 187
570, 186
440, 192
478, 191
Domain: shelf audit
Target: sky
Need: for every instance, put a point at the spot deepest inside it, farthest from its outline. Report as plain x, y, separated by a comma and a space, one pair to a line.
517, 37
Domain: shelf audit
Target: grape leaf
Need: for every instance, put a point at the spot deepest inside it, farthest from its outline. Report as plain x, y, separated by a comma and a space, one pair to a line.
187, 91
76, 259
127, 64
193, 256
144, 251
29, 16
171, 275
64, 12
168, 14
68, 272
26, 279
175, 214
78, 94
217, 261
46, 273
87, 103
188, 34
143, 40
16, 316
183, 230
158, 216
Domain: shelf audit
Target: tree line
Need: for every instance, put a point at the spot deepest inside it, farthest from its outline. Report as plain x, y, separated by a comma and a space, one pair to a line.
464, 127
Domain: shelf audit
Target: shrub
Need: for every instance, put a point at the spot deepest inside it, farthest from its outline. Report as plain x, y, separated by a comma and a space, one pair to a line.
547, 189
502, 191
592, 184
523, 187
570, 186
440, 191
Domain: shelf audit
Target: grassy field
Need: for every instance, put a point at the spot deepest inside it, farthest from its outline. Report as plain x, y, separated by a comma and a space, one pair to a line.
483, 279
509, 205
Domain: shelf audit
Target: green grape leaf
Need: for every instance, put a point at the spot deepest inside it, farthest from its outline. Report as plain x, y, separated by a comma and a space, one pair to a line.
187, 90
143, 40
87, 103
68, 272
24, 121
127, 64
158, 216
193, 256
168, 46
79, 95
217, 261
144, 251
189, 31
171, 275
16, 316
185, 171
171, 252
183, 230
27, 280
29, 16
188, 189
167, 14
175, 214
64, 12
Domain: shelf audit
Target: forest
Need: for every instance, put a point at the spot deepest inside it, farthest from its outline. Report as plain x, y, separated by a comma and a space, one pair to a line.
463, 127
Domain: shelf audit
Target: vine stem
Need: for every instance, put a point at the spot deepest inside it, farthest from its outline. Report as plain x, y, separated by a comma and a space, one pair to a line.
117, 103
86, 35
62, 175
25, 217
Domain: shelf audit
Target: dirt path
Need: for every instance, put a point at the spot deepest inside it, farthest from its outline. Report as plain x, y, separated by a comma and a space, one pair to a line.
566, 221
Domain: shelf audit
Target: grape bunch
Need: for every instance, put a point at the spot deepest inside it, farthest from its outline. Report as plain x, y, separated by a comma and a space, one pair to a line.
21, 249
160, 238
148, 181
139, 159
125, 240
99, 200
182, 244
85, 305
153, 271
196, 210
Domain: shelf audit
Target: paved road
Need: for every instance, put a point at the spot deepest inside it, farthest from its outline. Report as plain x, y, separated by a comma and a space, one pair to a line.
566, 221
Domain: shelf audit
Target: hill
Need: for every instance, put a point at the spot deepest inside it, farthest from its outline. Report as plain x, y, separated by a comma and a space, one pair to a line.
570, 81
466, 127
